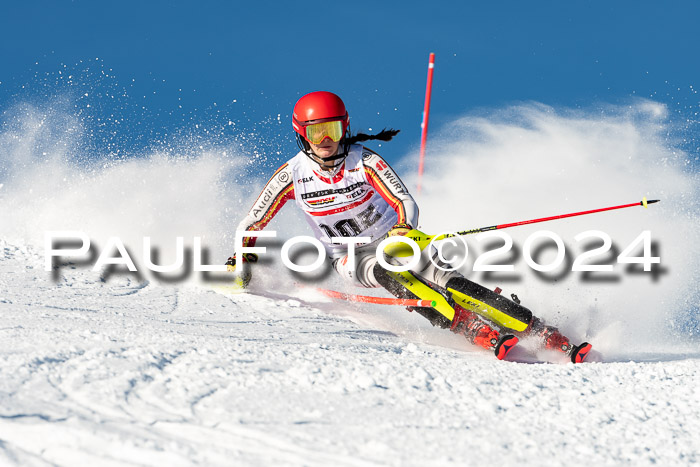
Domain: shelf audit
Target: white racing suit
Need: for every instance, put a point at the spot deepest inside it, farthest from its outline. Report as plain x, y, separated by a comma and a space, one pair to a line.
362, 198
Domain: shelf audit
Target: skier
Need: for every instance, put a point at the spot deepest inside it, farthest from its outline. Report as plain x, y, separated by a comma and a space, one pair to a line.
348, 190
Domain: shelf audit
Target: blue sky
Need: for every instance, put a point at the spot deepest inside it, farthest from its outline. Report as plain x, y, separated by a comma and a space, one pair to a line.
171, 65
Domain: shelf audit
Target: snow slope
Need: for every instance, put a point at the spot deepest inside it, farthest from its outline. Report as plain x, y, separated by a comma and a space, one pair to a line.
128, 371
132, 373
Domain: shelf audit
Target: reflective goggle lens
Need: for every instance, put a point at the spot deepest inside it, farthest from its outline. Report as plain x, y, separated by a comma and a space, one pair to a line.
317, 132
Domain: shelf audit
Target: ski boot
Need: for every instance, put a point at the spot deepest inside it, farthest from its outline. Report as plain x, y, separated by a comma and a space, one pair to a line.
554, 340
479, 333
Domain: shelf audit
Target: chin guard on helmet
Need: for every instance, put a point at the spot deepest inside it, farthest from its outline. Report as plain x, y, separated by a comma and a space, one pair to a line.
338, 159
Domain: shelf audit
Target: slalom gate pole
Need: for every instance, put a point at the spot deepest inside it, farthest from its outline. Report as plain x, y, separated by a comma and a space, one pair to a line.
425, 241
376, 300
426, 116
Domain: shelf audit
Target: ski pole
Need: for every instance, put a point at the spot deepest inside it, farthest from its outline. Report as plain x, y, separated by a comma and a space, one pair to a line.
424, 240
376, 300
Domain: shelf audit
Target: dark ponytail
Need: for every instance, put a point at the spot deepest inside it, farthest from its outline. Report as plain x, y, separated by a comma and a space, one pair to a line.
384, 135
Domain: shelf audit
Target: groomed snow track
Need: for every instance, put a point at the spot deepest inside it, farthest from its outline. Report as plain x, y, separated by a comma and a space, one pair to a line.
125, 372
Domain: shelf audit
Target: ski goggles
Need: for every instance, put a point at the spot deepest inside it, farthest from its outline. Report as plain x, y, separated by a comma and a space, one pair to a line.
316, 133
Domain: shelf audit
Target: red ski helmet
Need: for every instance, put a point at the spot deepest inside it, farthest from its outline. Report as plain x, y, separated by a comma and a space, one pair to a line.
319, 107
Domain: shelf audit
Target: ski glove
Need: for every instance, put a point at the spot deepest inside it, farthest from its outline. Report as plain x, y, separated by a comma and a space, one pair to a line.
399, 229
244, 274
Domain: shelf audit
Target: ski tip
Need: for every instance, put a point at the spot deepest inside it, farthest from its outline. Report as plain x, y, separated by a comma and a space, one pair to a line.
505, 345
580, 352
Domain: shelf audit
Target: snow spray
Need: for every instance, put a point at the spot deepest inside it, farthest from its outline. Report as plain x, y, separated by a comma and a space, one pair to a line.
487, 167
